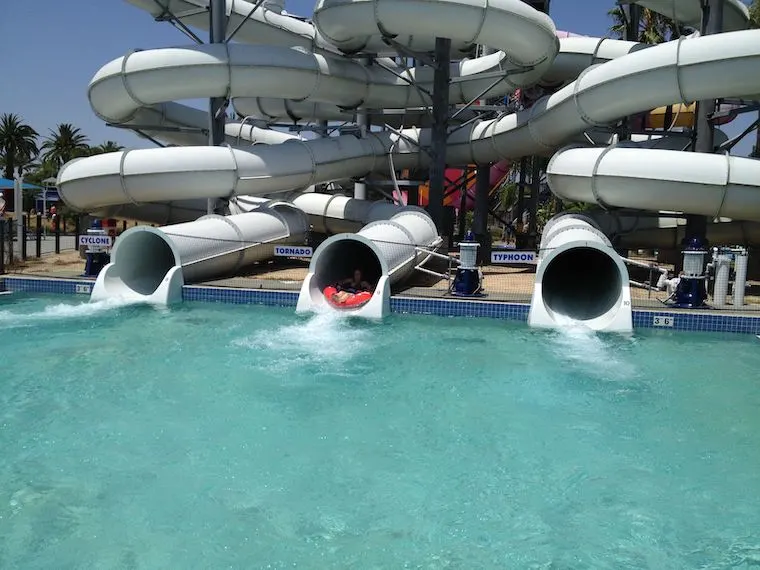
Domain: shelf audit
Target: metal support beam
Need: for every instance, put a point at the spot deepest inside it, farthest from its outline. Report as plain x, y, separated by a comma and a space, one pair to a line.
217, 105
150, 138
633, 18
158, 128
439, 136
409, 52
362, 120
480, 215
255, 7
482, 186
487, 90
712, 23
733, 113
731, 143
535, 188
168, 16
408, 80
521, 189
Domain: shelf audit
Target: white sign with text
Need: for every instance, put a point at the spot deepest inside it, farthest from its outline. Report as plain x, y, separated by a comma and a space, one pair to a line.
293, 251
510, 257
95, 241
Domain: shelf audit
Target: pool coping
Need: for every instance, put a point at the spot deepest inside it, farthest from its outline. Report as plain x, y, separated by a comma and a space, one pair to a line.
713, 321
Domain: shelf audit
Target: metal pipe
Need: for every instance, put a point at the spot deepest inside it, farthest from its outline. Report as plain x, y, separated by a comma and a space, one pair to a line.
712, 23
535, 184
362, 119
441, 80
217, 105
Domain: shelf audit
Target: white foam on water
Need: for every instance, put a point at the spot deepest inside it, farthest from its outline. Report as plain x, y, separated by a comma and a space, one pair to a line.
326, 337
588, 350
61, 311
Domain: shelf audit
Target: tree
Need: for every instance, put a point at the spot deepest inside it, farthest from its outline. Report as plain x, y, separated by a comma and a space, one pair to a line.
108, 146
754, 14
64, 144
654, 28
18, 144
18, 148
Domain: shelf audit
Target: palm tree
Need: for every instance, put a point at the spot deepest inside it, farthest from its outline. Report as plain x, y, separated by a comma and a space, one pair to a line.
108, 146
754, 14
64, 144
18, 144
18, 148
654, 28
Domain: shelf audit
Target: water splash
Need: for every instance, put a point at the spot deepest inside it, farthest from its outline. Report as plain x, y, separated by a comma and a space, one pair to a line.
60, 311
326, 338
596, 355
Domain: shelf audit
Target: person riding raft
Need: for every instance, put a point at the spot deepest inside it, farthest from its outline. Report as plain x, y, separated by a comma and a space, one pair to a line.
350, 286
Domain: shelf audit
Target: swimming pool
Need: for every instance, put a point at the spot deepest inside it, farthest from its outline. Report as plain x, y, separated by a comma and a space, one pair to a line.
218, 436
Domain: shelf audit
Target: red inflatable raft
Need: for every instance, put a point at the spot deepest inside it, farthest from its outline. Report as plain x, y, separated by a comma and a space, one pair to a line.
353, 301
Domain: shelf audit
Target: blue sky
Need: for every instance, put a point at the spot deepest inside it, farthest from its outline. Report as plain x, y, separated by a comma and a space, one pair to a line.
56, 46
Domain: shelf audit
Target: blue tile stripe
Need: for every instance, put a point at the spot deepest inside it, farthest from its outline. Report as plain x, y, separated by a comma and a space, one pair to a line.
699, 321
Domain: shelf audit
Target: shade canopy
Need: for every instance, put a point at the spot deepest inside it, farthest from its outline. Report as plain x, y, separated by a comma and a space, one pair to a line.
7, 184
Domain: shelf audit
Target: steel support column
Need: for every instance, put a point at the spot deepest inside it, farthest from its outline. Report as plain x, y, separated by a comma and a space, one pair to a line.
523, 180
217, 105
362, 119
480, 215
633, 19
441, 80
712, 23
482, 198
535, 189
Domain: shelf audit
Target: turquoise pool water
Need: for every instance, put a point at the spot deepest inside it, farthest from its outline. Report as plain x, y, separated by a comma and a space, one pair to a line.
213, 436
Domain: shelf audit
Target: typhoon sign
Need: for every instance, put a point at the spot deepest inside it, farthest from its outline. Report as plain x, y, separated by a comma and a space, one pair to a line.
514, 257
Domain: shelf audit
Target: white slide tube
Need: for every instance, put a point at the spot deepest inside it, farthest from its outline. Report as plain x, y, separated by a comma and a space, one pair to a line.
384, 251
297, 60
580, 278
334, 214
680, 71
575, 55
151, 265
706, 184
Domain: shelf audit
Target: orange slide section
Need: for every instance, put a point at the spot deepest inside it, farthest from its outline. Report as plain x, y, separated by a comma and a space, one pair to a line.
457, 178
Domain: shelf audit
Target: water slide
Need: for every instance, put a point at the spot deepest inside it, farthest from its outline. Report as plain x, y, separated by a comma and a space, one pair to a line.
286, 59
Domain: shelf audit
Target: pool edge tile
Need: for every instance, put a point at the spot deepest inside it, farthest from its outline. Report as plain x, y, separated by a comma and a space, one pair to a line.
712, 322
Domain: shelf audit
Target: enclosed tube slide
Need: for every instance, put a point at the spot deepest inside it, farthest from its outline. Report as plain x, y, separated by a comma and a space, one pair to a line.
328, 213
712, 185
385, 252
681, 71
306, 62
580, 278
151, 265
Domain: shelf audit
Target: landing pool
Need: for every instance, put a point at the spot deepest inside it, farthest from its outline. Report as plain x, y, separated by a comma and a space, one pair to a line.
224, 436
